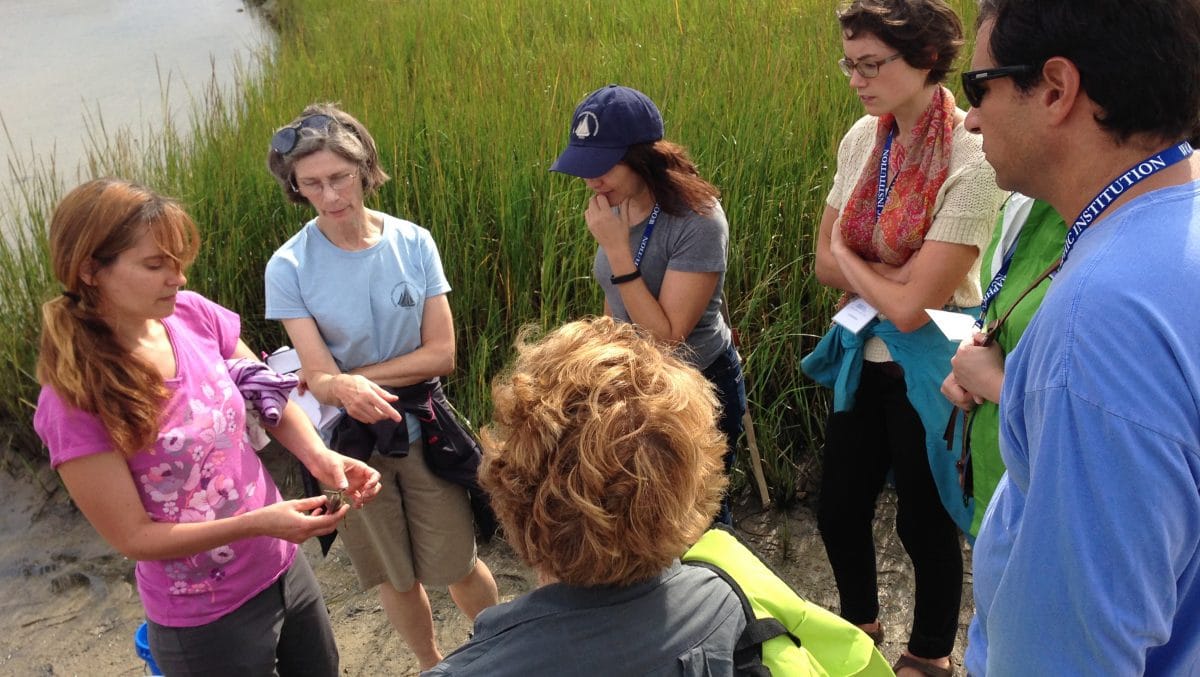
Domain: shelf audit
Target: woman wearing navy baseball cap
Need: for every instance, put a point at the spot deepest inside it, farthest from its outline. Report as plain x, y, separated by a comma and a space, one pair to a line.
662, 239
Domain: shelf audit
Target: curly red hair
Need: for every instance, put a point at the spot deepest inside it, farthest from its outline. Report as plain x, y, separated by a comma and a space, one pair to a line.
603, 461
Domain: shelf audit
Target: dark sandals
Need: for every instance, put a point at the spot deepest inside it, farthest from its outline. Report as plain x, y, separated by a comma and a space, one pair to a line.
927, 669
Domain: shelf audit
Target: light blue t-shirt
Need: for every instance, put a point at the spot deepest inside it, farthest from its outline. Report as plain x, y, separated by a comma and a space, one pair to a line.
1087, 559
368, 304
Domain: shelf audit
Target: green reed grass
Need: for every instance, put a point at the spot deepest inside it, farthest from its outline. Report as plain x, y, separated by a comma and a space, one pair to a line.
470, 103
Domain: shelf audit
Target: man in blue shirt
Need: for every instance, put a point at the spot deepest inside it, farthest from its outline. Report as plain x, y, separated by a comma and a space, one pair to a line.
1088, 557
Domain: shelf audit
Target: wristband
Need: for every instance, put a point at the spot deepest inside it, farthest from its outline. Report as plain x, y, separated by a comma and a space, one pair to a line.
628, 277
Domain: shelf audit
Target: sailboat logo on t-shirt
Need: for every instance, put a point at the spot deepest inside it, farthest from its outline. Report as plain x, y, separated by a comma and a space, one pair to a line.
402, 295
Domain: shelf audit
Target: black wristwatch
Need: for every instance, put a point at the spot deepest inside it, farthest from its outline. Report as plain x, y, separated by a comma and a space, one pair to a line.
628, 277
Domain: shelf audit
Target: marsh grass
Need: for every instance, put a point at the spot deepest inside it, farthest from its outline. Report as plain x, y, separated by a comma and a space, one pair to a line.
470, 103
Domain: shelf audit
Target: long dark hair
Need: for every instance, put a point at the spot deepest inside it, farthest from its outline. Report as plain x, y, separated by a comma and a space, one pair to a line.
671, 175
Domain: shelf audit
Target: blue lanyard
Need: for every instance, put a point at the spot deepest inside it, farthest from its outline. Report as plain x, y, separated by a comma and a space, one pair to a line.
996, 285
637, 260
1138, 172
1142, 170
884, 188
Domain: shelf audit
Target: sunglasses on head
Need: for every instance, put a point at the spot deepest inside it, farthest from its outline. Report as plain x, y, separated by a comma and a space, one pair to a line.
285, 139
972, 81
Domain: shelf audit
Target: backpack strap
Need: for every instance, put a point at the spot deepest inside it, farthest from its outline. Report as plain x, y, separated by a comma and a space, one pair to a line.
747, 654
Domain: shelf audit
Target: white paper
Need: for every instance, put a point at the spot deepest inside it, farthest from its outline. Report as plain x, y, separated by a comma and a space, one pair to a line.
320, 414
955, 326
856, 315
284, 360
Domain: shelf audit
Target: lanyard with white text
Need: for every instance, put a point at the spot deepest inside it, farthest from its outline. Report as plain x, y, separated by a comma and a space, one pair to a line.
997, 284
881, 192
1142, 170
637, 260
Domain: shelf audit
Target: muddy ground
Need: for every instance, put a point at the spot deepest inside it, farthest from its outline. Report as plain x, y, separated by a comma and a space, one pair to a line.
68, 605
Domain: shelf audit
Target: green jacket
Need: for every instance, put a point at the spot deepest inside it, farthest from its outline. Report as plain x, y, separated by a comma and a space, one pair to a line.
812, 641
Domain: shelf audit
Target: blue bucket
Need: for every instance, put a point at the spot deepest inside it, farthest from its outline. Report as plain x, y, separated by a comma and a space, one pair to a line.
141, 644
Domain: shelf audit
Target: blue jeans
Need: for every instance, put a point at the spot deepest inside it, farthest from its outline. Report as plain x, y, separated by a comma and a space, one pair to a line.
725, 373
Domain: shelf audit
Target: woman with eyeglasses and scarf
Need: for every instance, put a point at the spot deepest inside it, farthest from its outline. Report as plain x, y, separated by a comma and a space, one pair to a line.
363, 298
911, 207
146, 426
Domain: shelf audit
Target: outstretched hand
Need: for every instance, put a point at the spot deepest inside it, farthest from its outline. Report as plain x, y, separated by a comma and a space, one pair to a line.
363, 399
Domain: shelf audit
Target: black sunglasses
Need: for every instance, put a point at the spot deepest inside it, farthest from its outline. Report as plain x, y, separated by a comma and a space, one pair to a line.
972, 81
285, 139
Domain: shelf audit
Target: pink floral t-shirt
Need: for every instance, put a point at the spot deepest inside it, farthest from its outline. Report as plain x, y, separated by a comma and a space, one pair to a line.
201, 468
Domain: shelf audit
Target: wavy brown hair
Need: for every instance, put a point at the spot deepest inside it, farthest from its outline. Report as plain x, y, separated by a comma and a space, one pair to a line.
927, 32
603, 461
672, 177
80, 356
348, 138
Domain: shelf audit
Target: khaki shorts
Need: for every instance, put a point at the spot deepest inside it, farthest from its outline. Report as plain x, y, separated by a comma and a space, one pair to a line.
418, 528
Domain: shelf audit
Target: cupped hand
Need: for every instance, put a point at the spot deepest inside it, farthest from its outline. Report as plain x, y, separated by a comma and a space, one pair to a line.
957, 395
363, 481
610, 230
298, 520
358, 480
363, 399
979, 369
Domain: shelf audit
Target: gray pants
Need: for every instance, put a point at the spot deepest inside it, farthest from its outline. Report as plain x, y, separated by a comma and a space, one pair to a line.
283, 630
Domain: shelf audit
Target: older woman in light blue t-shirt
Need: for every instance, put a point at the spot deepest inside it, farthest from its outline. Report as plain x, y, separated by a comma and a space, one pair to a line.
362, 296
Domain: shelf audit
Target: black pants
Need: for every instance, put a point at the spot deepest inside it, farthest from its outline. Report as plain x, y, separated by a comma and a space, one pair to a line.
725, 373
283, 630
883, 432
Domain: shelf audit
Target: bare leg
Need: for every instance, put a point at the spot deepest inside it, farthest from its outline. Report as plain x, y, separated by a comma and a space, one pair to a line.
476, 591
410, 614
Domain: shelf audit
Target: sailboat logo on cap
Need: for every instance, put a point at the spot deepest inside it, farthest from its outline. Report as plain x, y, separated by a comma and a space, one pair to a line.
586, 126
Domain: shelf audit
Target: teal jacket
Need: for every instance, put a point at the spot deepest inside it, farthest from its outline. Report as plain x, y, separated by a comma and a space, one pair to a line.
925, 354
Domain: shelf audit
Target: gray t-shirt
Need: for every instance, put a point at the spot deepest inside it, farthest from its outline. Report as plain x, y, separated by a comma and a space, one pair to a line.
683, 622
691, 243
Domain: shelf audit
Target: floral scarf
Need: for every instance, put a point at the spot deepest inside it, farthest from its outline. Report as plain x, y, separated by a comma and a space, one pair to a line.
908, 212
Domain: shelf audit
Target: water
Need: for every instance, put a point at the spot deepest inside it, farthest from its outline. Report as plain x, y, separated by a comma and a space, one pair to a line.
67, 65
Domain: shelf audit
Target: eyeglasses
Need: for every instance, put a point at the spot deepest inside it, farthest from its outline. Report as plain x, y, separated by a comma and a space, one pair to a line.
867, 69
972, 81
284, 140
337, 183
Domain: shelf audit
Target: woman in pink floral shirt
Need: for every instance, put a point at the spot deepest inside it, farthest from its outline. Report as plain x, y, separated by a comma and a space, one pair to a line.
147, 430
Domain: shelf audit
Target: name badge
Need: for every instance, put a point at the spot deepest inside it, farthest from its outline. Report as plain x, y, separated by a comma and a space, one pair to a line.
856, 315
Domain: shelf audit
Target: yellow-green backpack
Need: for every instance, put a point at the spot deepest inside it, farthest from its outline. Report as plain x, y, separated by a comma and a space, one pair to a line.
785, 636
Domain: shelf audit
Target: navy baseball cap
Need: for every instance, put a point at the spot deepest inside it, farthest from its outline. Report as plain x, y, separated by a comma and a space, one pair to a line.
604, 126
